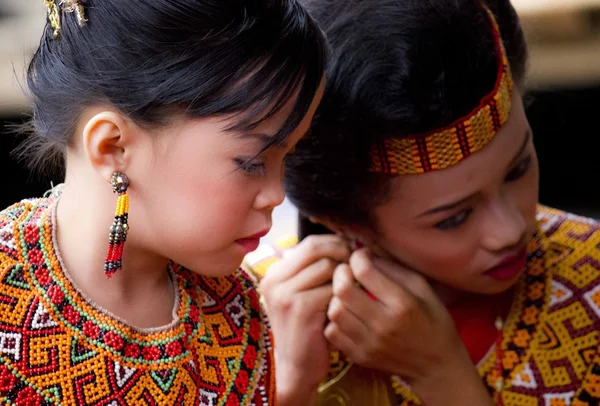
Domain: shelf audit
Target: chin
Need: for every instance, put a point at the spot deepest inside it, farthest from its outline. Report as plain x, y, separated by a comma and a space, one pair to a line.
217, 266
496, 287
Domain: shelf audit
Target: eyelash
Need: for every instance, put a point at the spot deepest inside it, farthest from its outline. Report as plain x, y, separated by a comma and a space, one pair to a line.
460, 218
455, 221
250, 167
518, 172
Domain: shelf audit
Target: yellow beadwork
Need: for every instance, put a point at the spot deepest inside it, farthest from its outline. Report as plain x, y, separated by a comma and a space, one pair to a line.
550, 340
57, 347
122, 205
444, 148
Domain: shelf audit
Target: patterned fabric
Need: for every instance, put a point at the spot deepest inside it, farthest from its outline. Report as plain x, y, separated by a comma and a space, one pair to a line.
551, 338
448, 146
57, 348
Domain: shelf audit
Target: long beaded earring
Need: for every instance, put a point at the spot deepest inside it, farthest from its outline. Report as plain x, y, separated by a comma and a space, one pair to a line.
118, 231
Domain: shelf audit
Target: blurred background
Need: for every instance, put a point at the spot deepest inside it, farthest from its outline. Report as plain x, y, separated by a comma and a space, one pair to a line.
563, 100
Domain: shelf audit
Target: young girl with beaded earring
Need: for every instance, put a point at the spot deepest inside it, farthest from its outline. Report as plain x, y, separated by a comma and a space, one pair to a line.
467, 292
180, 113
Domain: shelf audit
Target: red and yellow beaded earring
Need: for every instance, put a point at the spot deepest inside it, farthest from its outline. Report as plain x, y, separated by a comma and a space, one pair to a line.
118, 231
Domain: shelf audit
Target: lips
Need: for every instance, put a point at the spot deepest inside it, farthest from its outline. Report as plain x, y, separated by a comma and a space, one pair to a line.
252, 242
509, 268
257, 235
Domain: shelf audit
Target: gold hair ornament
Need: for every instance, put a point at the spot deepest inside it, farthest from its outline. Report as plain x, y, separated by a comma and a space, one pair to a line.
64, 6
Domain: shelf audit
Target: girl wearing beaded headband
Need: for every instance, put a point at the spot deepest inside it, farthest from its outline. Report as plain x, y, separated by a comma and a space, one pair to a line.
185, 109
466, 292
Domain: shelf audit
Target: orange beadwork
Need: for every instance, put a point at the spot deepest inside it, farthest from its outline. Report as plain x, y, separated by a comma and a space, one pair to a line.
58, 348
547, 349
448, 146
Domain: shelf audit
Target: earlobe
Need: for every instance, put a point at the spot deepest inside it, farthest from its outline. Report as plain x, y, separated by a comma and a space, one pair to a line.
350, 233
104, 141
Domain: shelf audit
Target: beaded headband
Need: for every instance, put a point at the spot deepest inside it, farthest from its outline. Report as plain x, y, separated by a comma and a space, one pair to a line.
446, 147
64, 6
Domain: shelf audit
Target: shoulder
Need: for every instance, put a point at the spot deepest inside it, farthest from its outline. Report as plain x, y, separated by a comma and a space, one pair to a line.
573, 255
570, 237
10, 219
552, 221
15, 222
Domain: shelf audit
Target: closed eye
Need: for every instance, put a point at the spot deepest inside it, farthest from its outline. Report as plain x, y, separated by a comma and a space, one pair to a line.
520, 170
250, 166
454, 221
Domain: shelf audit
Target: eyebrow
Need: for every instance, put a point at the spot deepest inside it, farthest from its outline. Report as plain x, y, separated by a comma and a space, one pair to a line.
265, 139
453, 205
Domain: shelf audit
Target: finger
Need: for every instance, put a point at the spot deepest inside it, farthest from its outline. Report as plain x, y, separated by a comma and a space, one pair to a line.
386, 290
411, 280
316, 300
316, 274
308, 251
338, 339
347, 321
281, 299
347, 290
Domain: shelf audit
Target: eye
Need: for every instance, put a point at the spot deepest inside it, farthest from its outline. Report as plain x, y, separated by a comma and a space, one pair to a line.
519, 171
455, 221
250, 166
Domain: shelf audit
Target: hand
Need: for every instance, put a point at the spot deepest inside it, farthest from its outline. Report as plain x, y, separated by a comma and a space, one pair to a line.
407, 331
297, 291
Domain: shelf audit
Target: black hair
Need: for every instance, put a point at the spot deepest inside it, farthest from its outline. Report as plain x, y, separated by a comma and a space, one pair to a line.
152, 58
398, 68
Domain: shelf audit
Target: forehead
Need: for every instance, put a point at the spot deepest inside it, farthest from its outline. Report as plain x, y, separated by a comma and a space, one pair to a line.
421, 191
274, 123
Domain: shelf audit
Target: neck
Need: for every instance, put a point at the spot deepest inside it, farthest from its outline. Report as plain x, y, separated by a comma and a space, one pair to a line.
84, 216
448, 295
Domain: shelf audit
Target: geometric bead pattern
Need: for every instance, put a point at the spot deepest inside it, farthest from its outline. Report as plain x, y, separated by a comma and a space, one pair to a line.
448, 146
551, 336
56, 347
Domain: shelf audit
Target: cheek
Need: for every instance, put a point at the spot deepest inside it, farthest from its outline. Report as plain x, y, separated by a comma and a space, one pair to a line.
526, 192
438, 255
194, 205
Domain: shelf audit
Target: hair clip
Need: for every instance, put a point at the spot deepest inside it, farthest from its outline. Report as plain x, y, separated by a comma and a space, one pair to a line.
65, 6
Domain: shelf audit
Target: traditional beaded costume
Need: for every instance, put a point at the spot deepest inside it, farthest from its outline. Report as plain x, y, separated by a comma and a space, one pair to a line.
58, 348
550, 348
542, 351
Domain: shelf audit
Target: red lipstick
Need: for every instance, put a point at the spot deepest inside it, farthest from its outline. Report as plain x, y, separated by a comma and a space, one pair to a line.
509, 268
252, 242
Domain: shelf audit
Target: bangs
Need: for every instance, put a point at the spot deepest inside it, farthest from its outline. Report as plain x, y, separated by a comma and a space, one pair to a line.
290, 65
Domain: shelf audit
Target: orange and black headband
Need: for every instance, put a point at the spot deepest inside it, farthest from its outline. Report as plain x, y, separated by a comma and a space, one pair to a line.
446, 147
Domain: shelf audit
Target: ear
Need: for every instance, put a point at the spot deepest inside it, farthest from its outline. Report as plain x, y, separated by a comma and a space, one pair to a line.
360, 236
106, 137
351, 232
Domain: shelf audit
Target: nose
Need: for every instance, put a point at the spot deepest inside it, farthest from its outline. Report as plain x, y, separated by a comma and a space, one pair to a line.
505, 226
271, 194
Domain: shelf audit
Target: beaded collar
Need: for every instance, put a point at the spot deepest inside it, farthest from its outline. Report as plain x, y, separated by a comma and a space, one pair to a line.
55, 341
163, 346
